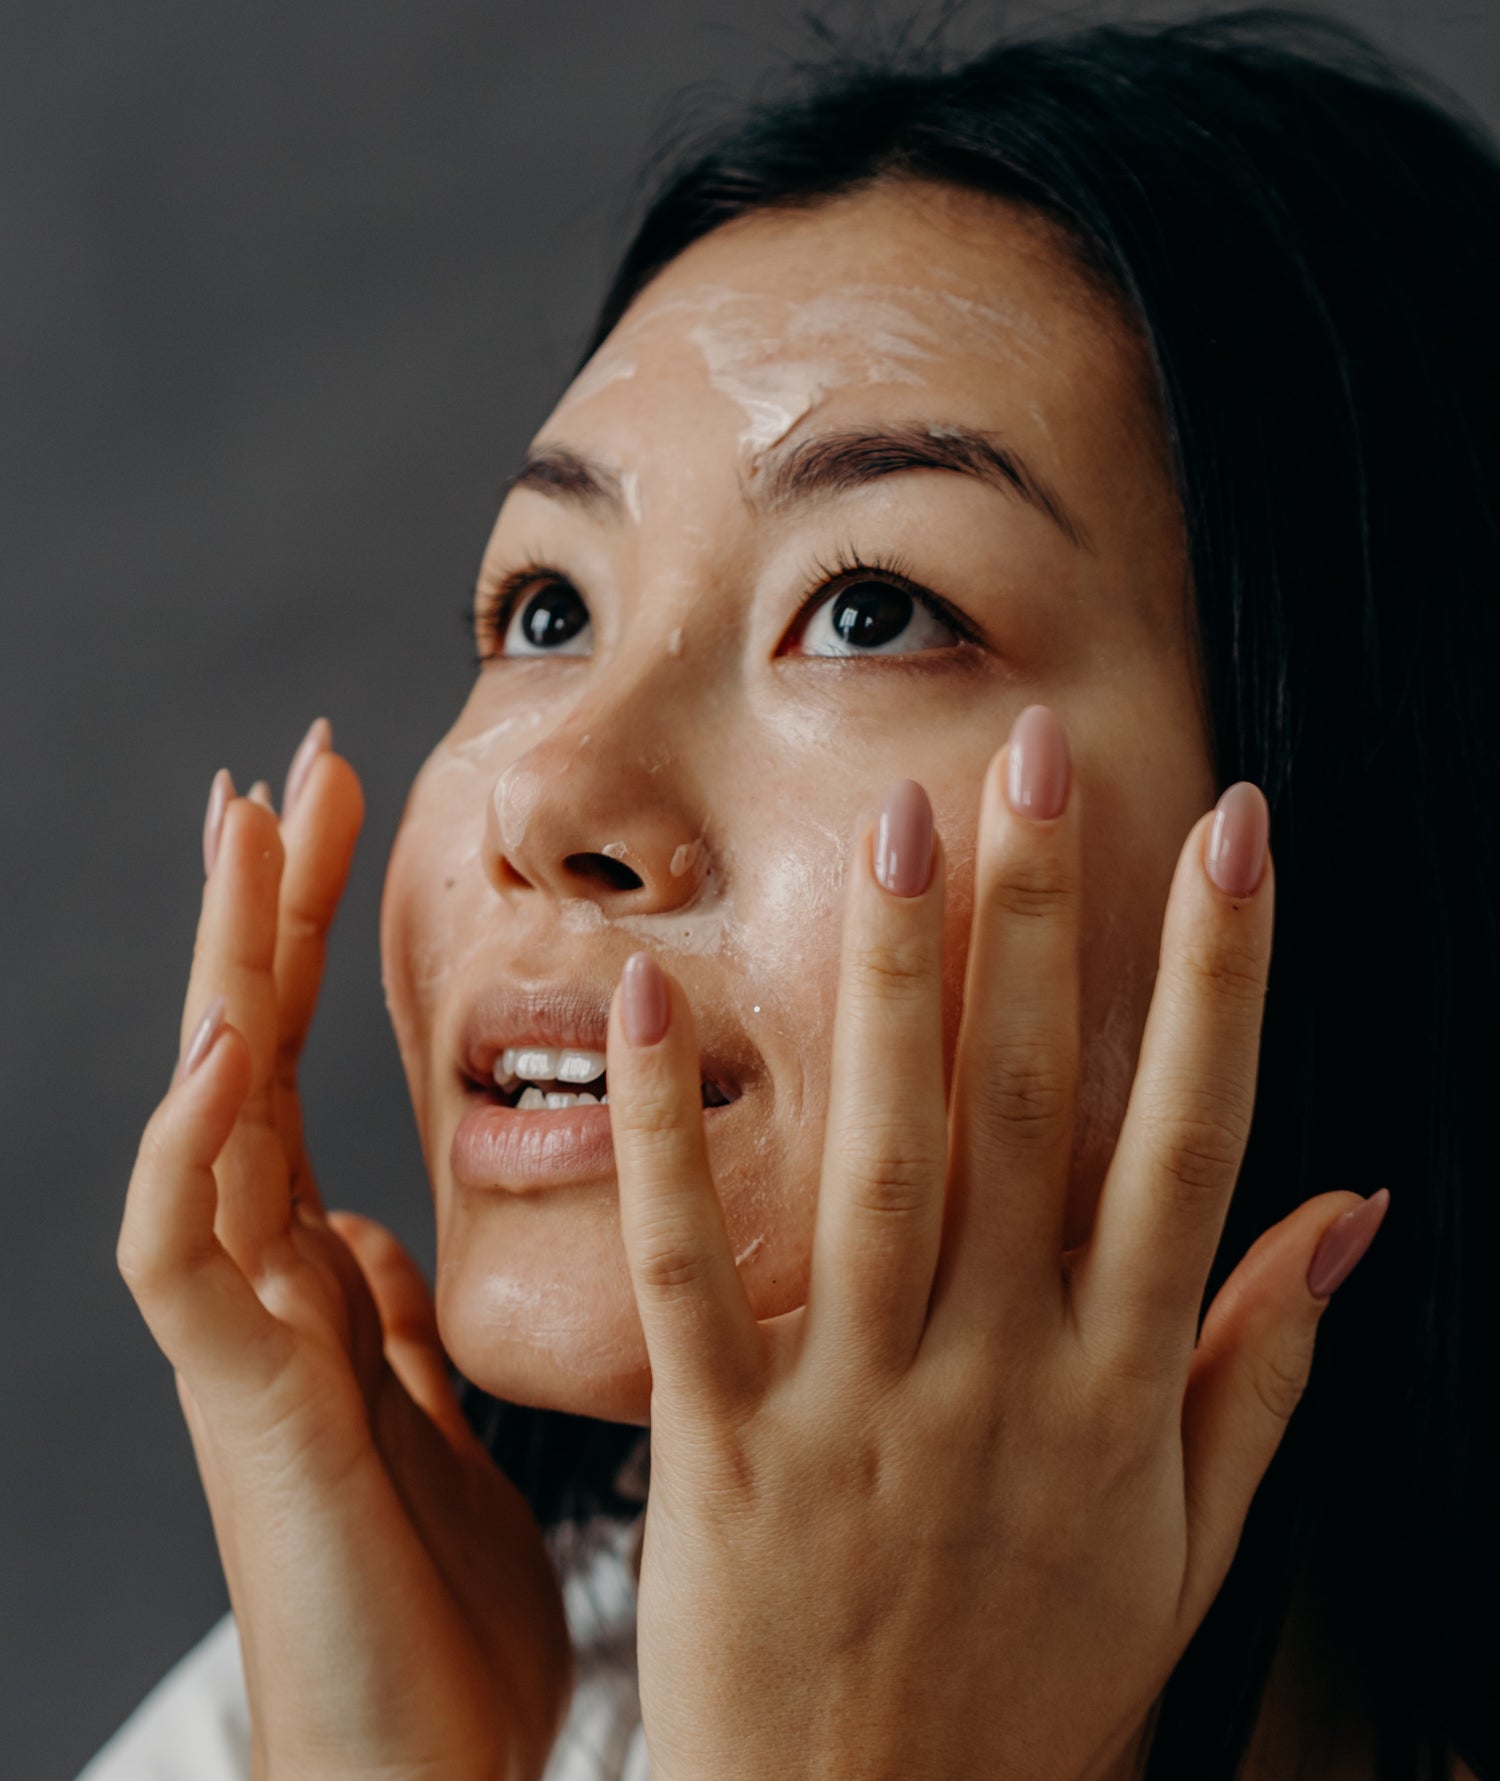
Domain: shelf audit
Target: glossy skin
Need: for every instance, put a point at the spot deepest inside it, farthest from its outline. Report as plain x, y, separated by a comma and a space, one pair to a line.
701, 747
693, 721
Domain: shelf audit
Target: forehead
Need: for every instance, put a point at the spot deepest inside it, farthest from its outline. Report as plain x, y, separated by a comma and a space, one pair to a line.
908, 299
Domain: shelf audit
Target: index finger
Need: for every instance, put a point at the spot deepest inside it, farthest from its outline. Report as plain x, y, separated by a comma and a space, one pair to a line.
878, 1226
319, 828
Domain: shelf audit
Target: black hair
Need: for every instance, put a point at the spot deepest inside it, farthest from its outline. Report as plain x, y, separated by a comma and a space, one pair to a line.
1303, 233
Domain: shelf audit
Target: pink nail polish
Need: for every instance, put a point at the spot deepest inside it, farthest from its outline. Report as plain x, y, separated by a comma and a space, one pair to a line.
204, 1034
1236, 853
318, 740
903, 840
1344, 1242
219, 794
1038, 766
645, 1007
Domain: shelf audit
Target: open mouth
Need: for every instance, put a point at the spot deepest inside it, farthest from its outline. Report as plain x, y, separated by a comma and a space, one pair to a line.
546, 1078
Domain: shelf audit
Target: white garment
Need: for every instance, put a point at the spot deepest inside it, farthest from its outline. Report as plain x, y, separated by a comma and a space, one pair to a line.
195, 1724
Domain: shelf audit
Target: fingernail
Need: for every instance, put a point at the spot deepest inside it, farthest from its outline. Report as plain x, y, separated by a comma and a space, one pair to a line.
644, 1005
260, 793
204, 1034
1038, 765
903, 841
1344, 1242
1236, 855
219, 794
318, 740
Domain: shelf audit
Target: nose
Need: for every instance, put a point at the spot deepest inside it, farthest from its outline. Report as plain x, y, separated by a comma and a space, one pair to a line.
586, 814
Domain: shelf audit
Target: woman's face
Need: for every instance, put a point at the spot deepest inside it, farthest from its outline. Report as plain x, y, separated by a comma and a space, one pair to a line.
679, 728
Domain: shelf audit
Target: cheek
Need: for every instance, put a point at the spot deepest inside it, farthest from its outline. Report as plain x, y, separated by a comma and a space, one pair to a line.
781, 957
435, 887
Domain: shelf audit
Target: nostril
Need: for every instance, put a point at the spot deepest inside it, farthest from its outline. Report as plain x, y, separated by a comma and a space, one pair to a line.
603, 870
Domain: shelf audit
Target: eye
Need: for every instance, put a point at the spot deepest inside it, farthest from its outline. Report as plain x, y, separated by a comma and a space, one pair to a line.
552, 621
534, 611
875, 610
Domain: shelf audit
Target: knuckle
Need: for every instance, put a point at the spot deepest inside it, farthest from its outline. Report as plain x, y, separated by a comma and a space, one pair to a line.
139, 1263
1230, 972
891, 965
651, 1117
1278, 1381
884, 1178
1199, 1153
1034, 883
1026, 1088
305, 923
665, 1258
131, 1262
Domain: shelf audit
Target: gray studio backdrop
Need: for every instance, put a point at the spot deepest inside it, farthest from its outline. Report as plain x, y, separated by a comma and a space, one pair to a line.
284, 290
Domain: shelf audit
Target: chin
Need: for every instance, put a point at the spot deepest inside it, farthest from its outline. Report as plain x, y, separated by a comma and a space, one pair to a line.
551, 1344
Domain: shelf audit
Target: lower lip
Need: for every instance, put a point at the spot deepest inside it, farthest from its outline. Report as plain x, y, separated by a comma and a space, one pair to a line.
503, 1150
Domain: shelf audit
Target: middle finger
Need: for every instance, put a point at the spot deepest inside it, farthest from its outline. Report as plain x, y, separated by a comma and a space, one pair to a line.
1016, 1068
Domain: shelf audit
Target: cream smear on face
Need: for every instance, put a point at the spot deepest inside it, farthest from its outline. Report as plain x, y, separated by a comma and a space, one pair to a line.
779, 358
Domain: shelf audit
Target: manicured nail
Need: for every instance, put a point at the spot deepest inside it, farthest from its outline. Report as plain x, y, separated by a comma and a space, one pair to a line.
903, 841
260, 793
1038, 765
204, 1034
1344, 1242
219, 794
645, 1007
1236, 855
318, 740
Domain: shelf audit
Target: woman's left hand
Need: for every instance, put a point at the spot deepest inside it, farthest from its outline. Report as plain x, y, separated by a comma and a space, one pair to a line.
961, 1514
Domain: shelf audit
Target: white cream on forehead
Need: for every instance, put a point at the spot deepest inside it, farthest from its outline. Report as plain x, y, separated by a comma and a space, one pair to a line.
778, 357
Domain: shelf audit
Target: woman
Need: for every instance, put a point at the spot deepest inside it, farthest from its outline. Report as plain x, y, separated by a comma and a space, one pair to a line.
994, 504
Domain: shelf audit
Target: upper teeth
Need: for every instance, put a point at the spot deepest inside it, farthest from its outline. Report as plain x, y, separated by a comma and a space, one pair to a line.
545, 1063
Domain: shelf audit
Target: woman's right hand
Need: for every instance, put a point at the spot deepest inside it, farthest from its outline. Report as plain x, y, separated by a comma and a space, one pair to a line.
398, 1612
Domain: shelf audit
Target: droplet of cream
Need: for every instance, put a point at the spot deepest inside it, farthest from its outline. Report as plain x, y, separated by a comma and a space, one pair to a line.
684, 857
674, 641
614, 850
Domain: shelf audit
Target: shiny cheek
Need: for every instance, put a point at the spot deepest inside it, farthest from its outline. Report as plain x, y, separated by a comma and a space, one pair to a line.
785, 949
435, 887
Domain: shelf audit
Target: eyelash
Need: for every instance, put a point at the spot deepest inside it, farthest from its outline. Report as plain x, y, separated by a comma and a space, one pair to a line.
497, 604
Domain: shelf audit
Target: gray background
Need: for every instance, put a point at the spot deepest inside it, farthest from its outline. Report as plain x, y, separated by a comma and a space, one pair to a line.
286, 289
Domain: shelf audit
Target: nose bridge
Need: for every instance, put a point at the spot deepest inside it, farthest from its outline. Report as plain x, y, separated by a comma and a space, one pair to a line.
604, 806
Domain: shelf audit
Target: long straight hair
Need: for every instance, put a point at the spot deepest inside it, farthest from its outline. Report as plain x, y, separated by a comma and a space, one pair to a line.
1305, 235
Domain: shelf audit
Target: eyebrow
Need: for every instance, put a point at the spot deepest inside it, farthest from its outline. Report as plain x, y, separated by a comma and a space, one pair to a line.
828, 464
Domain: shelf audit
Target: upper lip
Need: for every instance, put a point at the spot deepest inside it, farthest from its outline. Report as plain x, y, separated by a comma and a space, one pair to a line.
573, 1012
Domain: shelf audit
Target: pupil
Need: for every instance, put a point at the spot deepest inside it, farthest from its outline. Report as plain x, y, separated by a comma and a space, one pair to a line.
553, 616
871, 613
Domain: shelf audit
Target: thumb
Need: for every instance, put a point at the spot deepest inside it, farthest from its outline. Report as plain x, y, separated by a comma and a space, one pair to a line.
408, 1319
1251, 1365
